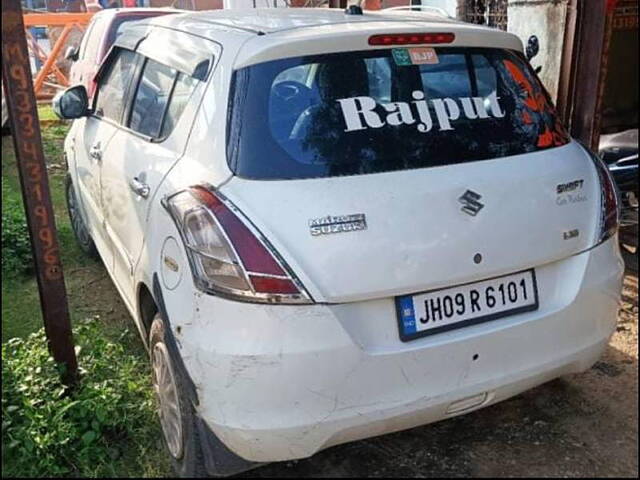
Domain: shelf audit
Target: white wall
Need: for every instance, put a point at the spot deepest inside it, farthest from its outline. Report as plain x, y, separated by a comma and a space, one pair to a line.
448, 5
545, 19
253, 3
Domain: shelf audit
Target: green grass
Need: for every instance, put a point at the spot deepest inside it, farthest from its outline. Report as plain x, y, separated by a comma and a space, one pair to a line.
45, 113
90, 295
20, 301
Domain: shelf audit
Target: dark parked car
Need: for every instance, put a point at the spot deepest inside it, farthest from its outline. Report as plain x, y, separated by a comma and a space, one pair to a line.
620, 153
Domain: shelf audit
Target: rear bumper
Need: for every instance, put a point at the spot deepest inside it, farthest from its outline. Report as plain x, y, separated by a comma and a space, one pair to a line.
282, 382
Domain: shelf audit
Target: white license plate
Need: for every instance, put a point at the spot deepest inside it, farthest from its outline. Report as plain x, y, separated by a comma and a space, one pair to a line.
440, 310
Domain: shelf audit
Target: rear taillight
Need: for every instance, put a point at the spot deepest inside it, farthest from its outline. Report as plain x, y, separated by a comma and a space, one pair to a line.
610, 212
227, 254
411, 38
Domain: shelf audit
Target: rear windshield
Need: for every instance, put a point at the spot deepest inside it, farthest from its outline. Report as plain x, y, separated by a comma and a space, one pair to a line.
381, 110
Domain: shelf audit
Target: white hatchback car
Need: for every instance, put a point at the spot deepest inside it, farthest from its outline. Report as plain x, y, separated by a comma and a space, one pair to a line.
330, 225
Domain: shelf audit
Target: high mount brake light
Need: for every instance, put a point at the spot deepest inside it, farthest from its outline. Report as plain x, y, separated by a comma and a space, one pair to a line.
227, 254
411, 38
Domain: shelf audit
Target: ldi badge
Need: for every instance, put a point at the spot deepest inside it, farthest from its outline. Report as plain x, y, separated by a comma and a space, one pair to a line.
337, 224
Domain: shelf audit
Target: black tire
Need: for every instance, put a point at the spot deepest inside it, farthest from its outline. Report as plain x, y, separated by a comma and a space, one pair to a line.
189, 463
80, 231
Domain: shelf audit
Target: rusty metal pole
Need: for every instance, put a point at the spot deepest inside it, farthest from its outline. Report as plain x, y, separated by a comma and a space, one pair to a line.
23, 115
604, 65
583, 68
566, 82
337, 3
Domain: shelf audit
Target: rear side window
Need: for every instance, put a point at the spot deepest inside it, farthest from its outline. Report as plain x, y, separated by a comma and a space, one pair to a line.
382, 110
112, 90
152, 98
185, 85
160, 99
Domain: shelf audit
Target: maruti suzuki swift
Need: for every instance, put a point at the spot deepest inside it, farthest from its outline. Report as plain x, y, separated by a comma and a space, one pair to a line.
332, 225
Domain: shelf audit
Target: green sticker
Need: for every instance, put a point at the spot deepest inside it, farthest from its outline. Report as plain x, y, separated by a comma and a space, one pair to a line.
401, 57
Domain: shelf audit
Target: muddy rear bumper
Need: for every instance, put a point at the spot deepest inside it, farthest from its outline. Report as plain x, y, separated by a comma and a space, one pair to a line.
285, 382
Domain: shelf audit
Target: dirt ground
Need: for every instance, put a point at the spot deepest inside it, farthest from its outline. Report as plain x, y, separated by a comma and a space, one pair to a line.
583, 425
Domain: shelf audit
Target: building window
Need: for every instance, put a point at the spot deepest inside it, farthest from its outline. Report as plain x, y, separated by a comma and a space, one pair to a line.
492, 13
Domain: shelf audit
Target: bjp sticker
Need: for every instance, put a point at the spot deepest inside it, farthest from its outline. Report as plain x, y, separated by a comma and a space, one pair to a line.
423, 56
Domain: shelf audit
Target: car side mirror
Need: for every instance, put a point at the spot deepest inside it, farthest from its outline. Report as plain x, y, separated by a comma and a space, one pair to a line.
71, 53
71, 103
533, 47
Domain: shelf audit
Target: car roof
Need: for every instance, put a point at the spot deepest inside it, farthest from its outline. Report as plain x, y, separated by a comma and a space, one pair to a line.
272, 20
112, 13
274, 33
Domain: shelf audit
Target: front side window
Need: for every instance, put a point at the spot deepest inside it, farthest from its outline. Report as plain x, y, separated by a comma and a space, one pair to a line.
113, 85
364, 112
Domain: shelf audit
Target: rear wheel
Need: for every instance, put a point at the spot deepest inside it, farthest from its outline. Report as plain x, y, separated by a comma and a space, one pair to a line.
80, 231
194, 449
177, 415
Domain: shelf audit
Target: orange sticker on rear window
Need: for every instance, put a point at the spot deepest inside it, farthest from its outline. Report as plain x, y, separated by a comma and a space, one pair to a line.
423, 56
535, 102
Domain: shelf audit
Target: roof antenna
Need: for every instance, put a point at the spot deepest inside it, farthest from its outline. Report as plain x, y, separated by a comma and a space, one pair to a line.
354, 9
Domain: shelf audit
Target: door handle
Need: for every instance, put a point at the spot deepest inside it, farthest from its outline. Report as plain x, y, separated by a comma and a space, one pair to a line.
95, 152
139, 188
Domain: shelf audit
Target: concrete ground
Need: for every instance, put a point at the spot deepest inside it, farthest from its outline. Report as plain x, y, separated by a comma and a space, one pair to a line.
583, 425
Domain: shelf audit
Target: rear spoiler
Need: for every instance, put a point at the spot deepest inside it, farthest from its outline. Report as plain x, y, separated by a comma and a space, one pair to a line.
419, 8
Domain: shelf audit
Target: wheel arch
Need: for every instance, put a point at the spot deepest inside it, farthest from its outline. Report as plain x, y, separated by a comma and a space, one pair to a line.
147, 308
219, 460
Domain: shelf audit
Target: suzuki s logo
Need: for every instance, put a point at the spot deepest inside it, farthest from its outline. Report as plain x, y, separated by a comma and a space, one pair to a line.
470, 202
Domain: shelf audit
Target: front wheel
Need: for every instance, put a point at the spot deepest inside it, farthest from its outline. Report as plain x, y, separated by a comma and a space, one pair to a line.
80, 231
